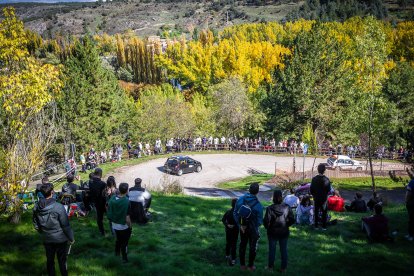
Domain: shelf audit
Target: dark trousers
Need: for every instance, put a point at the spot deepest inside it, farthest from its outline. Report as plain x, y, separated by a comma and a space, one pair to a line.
320, 207
121, 244
410, 210
252, 238
283, 250
59, 249
231, 242
100, 210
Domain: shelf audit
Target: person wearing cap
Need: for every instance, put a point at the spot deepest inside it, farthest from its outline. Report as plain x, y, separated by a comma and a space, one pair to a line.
320, 188
249, 231
96, 188
277, 220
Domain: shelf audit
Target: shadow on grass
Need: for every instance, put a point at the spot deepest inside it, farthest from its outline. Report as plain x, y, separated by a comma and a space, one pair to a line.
186, 237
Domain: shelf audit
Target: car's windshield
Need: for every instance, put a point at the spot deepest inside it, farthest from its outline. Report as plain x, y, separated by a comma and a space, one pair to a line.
331, 160
172, 162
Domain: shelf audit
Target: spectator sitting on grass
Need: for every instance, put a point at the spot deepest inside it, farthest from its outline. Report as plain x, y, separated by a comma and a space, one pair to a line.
374, 200
292, 200
336, 202
358, 205
304, 212
376, 226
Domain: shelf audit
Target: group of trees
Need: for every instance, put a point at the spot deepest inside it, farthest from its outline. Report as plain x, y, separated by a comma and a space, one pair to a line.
305, 80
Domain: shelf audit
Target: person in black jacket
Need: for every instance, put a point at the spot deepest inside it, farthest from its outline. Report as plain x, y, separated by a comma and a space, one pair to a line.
320, 188
278, 218
358, 205
232, 233
96, 188
51, 221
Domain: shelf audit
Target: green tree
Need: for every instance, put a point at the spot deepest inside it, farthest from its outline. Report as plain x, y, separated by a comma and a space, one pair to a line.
399, 91
163, 113
231, 106
95, 109
312, 87
27, 89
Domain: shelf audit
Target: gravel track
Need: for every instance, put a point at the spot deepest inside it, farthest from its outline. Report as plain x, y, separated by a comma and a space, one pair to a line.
216, 169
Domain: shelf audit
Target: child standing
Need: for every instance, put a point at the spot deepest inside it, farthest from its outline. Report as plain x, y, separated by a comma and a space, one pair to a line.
232, 233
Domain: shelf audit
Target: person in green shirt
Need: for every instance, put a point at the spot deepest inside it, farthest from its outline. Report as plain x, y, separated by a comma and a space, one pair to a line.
119, 214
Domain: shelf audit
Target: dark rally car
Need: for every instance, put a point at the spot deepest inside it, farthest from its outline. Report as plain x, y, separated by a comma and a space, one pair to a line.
182, 164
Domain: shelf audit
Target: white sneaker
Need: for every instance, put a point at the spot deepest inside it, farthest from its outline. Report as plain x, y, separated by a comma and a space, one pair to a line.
409, 238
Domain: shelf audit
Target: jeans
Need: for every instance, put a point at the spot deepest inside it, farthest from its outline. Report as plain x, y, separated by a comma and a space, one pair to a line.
231, 242
272, 250
252, 238
100, 210
121, 244
321, 207
59, 249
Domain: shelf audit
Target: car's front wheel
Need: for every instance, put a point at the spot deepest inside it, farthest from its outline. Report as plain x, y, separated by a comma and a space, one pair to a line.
359, 169
198, 169
180, 172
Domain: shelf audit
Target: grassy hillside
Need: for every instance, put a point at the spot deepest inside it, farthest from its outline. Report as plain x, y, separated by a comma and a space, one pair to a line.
186, 238
152, 17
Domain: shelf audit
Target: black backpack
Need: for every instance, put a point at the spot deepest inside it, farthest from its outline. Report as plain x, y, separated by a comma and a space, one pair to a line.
277, 223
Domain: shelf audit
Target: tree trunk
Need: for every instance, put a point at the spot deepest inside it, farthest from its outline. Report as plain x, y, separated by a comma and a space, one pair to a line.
371, 111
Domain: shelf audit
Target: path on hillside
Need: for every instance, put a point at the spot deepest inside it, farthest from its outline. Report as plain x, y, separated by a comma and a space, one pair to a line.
217, 168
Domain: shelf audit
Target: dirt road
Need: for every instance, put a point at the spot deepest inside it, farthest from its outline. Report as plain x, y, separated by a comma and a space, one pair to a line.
216, 169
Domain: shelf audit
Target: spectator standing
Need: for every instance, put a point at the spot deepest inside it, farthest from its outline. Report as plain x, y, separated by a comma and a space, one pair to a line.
232, 234
96, 188
83, 162
277, 220
158, 146
51, 221
320, 188
409, 201
119, 214
249, 229
119, 151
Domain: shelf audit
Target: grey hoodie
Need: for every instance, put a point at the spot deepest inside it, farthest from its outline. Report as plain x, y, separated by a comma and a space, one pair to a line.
51, 221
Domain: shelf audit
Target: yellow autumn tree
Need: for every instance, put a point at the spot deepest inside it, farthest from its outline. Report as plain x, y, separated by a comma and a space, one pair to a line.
26, 88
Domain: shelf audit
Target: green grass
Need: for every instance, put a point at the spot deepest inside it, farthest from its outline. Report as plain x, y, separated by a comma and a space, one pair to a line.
243, 183
186, 237
364, 183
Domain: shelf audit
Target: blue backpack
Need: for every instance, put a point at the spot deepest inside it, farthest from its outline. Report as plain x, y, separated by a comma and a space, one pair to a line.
245, 211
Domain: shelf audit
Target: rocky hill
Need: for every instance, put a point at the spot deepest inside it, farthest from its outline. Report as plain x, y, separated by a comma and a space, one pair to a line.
168, 18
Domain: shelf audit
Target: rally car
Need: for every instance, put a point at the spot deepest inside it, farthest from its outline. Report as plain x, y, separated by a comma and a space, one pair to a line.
182, 164
342, 163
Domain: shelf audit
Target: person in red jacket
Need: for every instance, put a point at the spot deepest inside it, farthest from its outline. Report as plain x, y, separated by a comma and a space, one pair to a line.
336, 203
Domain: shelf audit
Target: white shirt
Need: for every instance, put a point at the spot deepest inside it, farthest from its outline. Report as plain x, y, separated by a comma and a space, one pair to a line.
119, 227
291, 200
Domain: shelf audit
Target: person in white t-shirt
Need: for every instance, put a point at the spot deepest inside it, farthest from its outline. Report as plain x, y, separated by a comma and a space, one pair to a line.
292, 200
